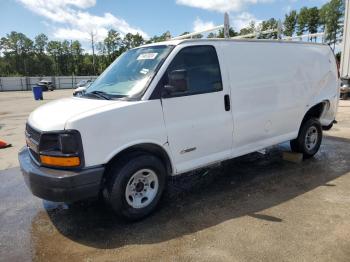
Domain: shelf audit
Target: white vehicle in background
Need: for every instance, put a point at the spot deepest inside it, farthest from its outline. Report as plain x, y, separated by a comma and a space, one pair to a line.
46, 85
345, 88
168, 108
81, 87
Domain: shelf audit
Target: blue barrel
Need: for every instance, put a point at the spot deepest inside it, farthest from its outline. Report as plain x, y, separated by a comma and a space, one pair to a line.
38, 92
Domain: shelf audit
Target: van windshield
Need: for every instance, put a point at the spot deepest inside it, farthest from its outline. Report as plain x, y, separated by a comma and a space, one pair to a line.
130, 74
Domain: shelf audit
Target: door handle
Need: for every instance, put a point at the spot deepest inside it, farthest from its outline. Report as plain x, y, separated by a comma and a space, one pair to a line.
227, 102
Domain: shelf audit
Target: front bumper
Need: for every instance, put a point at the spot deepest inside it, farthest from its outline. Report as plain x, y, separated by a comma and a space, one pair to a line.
59, 185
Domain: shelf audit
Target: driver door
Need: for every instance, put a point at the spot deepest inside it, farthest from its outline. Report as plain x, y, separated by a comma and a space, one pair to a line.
196, 109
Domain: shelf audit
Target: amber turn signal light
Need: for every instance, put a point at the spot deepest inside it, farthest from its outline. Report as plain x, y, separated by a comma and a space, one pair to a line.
60, 161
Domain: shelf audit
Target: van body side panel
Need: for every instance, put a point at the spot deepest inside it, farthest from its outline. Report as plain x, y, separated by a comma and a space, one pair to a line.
273, 86
329, 91
110, 130
268, 93
322, 84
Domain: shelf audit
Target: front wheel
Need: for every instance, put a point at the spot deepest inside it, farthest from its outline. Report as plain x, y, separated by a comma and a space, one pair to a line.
135, 185
309, 138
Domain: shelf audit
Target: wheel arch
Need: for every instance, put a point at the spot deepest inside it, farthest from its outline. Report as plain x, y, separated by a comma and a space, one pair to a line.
144, 147
316, 111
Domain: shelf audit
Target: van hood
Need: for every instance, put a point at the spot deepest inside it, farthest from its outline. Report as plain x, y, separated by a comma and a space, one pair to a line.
54, 115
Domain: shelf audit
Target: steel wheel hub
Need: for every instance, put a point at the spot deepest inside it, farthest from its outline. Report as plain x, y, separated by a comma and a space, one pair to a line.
141, 188
311, 138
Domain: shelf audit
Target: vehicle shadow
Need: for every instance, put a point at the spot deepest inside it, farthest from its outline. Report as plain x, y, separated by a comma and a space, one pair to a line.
244, 186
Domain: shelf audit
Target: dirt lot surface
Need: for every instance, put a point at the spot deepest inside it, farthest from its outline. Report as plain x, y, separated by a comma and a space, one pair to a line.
254, 208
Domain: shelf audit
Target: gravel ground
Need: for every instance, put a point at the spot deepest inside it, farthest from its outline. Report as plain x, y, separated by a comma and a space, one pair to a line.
254, 208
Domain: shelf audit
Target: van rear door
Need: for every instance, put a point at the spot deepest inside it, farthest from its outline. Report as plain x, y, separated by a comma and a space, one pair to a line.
198, 122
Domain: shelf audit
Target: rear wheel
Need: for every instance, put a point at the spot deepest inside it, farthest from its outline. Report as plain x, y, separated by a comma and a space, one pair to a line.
344, 95
135, 185
309, 138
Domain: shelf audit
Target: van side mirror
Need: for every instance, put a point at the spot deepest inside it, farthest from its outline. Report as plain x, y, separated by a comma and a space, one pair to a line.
177, 82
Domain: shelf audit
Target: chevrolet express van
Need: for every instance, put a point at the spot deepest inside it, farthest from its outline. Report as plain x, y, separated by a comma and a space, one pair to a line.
167, 108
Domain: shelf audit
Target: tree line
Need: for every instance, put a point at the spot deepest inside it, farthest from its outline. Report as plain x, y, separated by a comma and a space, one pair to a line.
22, 56
328, 18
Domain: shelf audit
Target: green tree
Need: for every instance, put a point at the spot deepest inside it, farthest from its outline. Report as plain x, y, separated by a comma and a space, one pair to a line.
22, 56
164, 37
17, 49
40, 43
65, 59
132, 40
103, 61
313, 21
137, 40
112, 43
302, 21
323, 16
212, 35
54, 48
26, 52
271, 24
250, 29
290, 23
43, 63
87, 66
231, 32
331, 17
77, 57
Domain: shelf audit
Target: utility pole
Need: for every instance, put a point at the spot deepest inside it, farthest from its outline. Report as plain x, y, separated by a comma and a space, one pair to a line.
72, 61
226, 26
93, 51
345, 54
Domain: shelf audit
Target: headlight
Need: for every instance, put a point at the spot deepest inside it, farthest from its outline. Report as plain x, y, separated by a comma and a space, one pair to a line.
61, 149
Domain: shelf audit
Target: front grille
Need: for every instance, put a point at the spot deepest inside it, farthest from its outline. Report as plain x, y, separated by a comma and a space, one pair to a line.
33, 140
32, 134
34, 155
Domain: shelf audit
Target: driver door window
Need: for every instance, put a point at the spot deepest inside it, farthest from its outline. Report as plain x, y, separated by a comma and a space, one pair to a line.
201, 65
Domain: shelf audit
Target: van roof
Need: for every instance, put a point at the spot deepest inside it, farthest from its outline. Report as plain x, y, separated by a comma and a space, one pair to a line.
177, 42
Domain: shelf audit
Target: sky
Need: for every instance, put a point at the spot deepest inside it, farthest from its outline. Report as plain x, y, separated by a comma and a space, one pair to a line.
76, 19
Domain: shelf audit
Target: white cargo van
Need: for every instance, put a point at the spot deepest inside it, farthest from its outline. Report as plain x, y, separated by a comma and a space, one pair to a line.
167, 108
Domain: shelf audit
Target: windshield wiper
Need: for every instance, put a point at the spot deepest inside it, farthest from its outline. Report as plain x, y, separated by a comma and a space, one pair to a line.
99, 94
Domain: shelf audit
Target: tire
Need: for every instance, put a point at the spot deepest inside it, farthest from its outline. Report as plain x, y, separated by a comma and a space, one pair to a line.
128, 196
309, 138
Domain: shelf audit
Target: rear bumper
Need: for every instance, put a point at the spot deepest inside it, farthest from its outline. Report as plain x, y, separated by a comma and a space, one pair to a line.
59, 185
344, 90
